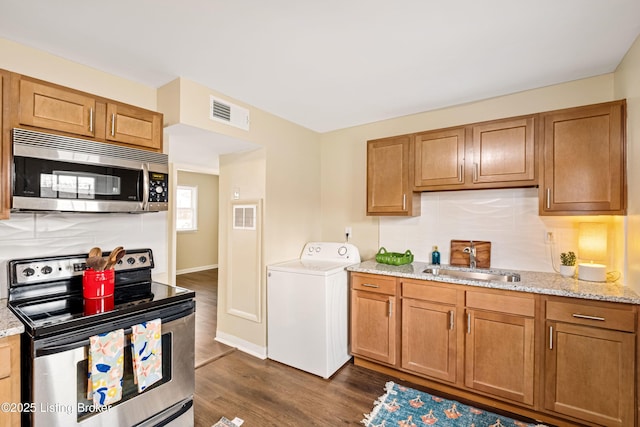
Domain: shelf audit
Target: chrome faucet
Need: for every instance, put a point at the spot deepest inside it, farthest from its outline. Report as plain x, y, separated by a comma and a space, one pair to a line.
471, 250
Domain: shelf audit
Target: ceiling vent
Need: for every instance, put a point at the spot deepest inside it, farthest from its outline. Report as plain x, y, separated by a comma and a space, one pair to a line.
226, 112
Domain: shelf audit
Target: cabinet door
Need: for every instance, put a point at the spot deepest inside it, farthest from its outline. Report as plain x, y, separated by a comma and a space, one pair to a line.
439, 158
589, 373
429, 339
56, 108
504, 152
10, 378
373, 326
584, 161
389, 172
134, 126
499, 355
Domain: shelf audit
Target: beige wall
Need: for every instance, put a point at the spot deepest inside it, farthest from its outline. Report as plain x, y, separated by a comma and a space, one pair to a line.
627, 85
284, 173
344, 151
198, 250
42, 65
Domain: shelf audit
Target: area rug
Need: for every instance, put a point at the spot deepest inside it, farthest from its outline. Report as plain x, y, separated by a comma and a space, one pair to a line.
405, 407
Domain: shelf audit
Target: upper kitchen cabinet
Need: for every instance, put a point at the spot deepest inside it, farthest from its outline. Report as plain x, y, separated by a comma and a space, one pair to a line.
504, 153
439, 159
584, 161
496, 154
48, 107
5, 147
389, 177
134, 126
55, 108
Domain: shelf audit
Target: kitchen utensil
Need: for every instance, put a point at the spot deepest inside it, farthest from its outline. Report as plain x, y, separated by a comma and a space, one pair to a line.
95, 252
96, 263
115, 256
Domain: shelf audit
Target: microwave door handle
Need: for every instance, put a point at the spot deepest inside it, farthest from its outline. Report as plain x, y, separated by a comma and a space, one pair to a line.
145, 186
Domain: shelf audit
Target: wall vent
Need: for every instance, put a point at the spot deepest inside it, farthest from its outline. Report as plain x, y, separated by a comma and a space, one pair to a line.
226, 112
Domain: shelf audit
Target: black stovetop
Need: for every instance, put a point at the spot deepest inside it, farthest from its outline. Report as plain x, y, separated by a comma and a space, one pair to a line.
59, 313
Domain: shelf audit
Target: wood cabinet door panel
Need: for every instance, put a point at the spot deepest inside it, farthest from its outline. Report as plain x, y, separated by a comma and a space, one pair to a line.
589, 373
389, 174
584, 161
429, 339
499, 355
504, 151
55, 108
134, 126
439, 158
373, 326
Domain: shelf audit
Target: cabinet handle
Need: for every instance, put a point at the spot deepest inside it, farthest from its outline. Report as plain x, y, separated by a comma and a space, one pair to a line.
476, 173
460, 173
390, 307
113, 124
584, 316
468, 323
404, 201
90, 119
550, 337
369, 285
452, 319
548, 198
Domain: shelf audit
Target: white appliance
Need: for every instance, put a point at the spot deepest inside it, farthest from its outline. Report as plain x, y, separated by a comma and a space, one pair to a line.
307, 308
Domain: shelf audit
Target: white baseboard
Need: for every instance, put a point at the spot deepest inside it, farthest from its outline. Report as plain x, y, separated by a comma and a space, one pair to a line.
196, 269
242, 345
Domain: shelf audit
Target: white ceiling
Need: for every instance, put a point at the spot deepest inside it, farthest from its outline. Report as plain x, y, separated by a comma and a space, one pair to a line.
330, 64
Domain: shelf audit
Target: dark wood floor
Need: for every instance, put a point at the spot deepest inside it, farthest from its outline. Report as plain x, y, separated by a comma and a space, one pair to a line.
205, 284
267, 393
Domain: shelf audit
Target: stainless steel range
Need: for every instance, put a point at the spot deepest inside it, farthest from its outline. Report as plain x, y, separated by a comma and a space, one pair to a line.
46, 294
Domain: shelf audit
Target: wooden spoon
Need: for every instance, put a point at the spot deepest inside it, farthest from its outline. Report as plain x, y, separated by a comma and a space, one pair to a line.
95, 252
115, 256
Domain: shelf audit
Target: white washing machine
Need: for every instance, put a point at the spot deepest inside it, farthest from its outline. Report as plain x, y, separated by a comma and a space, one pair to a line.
307, 308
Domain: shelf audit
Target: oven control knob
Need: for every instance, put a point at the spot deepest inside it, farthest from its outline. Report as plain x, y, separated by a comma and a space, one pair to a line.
131, 260
143, 259
28, 271
46, 269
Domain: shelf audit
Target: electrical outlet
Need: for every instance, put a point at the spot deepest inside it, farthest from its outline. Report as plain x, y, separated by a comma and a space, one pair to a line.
347, 230
548, 237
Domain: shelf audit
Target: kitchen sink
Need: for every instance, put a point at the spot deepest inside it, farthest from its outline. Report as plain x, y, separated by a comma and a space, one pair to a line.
474, 275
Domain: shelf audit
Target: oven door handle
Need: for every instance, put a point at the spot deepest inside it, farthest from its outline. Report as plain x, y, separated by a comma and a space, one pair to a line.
53, 349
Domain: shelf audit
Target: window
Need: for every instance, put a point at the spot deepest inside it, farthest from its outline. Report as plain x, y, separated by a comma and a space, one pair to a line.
187, 208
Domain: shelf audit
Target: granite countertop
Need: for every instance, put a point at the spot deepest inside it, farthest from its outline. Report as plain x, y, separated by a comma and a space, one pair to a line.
9, 323
530, 281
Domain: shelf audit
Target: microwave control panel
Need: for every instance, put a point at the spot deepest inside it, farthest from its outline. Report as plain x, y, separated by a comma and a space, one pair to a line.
159, 190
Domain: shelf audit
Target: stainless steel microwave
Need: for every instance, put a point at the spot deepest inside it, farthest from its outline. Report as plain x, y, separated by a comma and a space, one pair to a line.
58, 173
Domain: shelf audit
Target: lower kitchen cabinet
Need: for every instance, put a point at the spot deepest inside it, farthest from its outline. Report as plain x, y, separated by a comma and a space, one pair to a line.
499, 345
374, 318
429, 330
10, 379
561, 360
590, 362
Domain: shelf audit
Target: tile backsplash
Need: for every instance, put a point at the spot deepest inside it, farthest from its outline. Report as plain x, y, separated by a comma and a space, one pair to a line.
508, 218
28, 235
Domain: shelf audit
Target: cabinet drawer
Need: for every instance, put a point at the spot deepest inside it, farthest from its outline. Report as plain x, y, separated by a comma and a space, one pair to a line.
601, 315
373, 283
519, 304
429, 292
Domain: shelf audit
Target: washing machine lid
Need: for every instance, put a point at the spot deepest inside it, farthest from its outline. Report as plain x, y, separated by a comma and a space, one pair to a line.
302, 266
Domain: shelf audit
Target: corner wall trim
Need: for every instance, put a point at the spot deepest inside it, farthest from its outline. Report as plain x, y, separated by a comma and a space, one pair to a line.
245, 346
